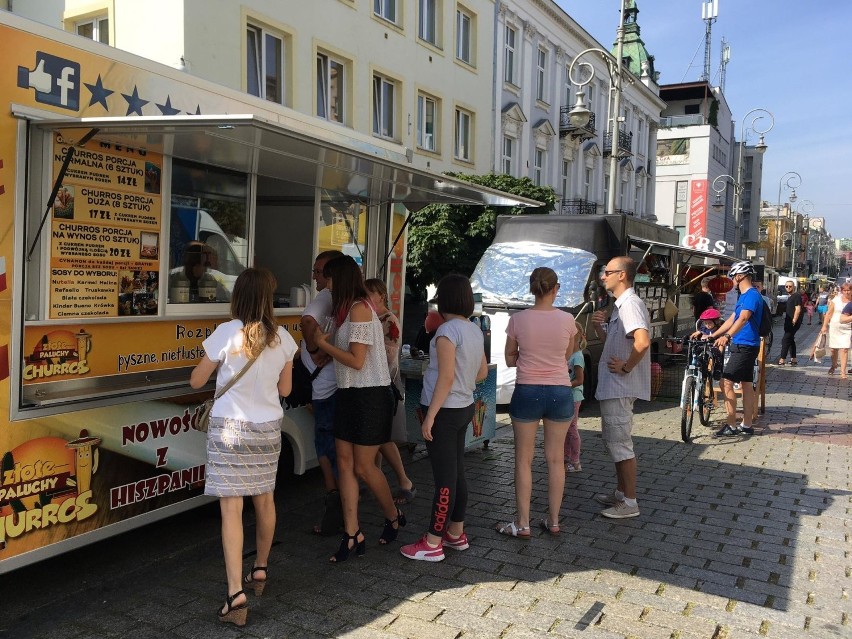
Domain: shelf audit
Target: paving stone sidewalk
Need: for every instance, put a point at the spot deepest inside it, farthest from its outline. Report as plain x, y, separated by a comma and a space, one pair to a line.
740, 537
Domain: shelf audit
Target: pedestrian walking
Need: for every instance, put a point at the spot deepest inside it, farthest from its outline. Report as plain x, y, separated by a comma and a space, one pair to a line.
244, 434
703, 299
624, 375
792, 322
456, 363
316, 316
740, 334
838, 332
822, 304
363, 409
539, 342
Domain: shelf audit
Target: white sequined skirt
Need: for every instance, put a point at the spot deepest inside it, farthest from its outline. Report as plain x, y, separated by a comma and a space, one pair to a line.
242, 457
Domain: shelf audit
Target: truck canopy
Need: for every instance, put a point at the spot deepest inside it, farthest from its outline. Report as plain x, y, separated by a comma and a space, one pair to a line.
502, 274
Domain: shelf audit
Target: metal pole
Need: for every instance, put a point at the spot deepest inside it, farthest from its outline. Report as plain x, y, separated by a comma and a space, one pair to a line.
793, 243
616, 108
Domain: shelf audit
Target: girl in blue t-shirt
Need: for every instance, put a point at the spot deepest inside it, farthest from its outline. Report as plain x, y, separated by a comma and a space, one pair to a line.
576, 369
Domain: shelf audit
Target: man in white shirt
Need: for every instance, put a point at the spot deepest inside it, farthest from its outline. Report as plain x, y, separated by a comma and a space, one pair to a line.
316, 317
624, 375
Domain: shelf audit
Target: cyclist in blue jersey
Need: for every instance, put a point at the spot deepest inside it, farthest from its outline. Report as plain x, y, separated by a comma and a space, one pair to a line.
740, 333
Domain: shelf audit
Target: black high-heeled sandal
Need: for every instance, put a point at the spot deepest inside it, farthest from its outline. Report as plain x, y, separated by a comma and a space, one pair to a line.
234, 614
389, 533
257, 584
342, 554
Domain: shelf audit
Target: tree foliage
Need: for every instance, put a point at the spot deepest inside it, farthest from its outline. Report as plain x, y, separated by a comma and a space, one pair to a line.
450, 239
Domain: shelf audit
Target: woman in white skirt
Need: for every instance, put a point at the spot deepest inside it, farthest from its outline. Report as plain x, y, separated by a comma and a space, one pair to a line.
838, 334
244, 435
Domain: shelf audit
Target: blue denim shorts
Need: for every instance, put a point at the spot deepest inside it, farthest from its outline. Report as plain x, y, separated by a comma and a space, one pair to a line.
534, 402
324, 429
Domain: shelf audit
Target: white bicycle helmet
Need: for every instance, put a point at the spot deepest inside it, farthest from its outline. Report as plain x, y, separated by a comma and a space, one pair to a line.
742, 268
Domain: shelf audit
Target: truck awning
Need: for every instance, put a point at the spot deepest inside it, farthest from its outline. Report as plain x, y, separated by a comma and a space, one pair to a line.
344, 167
685, 252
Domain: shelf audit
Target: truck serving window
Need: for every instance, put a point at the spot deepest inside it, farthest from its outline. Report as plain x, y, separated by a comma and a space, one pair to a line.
208, 245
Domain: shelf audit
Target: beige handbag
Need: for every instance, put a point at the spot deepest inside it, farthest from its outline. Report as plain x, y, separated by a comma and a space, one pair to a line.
819, 348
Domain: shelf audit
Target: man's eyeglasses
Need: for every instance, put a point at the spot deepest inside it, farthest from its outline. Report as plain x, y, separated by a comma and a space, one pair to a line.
608, 273
317, 271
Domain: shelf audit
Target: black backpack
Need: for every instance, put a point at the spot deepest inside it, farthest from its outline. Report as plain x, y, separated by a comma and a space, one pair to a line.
302, 388
765, 320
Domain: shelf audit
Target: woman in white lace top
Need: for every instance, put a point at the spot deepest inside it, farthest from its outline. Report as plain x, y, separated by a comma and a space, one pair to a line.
363, 403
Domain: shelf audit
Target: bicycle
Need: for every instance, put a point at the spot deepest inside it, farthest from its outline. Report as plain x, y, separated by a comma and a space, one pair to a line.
697, 389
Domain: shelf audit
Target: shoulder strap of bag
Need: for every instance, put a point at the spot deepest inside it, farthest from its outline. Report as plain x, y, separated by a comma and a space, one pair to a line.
235, 378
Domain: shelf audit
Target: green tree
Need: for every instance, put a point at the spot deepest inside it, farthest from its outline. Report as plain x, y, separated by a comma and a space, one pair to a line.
450, 239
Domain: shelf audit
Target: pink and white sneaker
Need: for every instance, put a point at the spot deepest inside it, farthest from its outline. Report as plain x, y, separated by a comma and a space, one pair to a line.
423, 551
456, 543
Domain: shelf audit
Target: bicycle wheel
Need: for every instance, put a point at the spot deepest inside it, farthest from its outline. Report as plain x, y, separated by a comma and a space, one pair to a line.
706, 399
686, 412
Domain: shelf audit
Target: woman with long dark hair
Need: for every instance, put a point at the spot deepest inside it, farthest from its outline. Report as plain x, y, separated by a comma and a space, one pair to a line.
244, 434
363, 402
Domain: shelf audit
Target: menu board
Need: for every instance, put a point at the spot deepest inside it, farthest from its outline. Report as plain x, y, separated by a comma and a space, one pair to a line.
105, 232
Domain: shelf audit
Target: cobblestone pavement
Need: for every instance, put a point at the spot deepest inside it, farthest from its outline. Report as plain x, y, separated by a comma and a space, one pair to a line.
742, 537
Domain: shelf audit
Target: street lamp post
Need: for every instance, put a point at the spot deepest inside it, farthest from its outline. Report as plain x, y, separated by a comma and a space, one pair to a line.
580, 114
807, 206
786, 235
718, 205
792, 180
760, 147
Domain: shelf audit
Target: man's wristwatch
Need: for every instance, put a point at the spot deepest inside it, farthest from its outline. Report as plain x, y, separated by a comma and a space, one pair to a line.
312, 351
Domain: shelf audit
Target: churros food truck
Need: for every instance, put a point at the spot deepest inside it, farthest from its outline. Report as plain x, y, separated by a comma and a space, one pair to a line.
129, 204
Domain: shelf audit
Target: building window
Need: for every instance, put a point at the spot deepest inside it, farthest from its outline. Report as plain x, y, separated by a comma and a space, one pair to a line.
539, 160
588, 181
385, 9
427, 113
462, 150
509, 62
541, 74
679, 220
464, 37
265, 64
569, 88
330, 88
566, 179
96, 29
427, 21
508, 154
384, 107
639, 202
640, 132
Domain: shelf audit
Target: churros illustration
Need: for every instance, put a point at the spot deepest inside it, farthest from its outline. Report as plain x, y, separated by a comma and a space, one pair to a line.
86, 461
479, 410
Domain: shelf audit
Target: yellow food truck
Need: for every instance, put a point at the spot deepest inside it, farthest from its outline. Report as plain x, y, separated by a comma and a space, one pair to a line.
131, 196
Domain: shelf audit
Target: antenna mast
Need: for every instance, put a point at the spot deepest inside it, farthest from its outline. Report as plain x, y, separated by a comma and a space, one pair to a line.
709, 13
726, 57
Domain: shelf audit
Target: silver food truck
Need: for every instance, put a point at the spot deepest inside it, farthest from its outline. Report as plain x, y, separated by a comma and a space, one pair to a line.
578, 247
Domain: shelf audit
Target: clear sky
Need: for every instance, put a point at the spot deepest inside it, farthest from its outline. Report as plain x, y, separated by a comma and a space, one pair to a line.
787, 56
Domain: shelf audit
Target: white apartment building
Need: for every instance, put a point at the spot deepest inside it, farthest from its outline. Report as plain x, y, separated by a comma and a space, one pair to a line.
695, 146
752, 177
418, 73
536, 43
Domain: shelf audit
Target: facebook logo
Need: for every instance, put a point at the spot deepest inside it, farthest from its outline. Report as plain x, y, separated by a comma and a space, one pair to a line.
56, 81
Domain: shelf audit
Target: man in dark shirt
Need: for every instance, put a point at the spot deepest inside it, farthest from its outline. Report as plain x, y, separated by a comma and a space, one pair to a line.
702, 300
792, 322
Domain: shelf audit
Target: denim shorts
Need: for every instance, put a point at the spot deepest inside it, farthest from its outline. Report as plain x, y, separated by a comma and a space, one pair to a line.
534, 402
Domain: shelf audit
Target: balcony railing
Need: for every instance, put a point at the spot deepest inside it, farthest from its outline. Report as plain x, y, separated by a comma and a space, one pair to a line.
578, 207
672, 121
566, 128
625, 144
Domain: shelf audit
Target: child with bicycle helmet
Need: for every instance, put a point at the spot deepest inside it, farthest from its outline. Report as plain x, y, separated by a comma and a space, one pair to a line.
709, 321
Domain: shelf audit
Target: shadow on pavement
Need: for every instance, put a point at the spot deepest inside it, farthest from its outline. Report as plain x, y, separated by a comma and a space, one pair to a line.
708, 529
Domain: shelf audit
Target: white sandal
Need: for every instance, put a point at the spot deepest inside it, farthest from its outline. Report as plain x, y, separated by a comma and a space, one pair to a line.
513, 530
